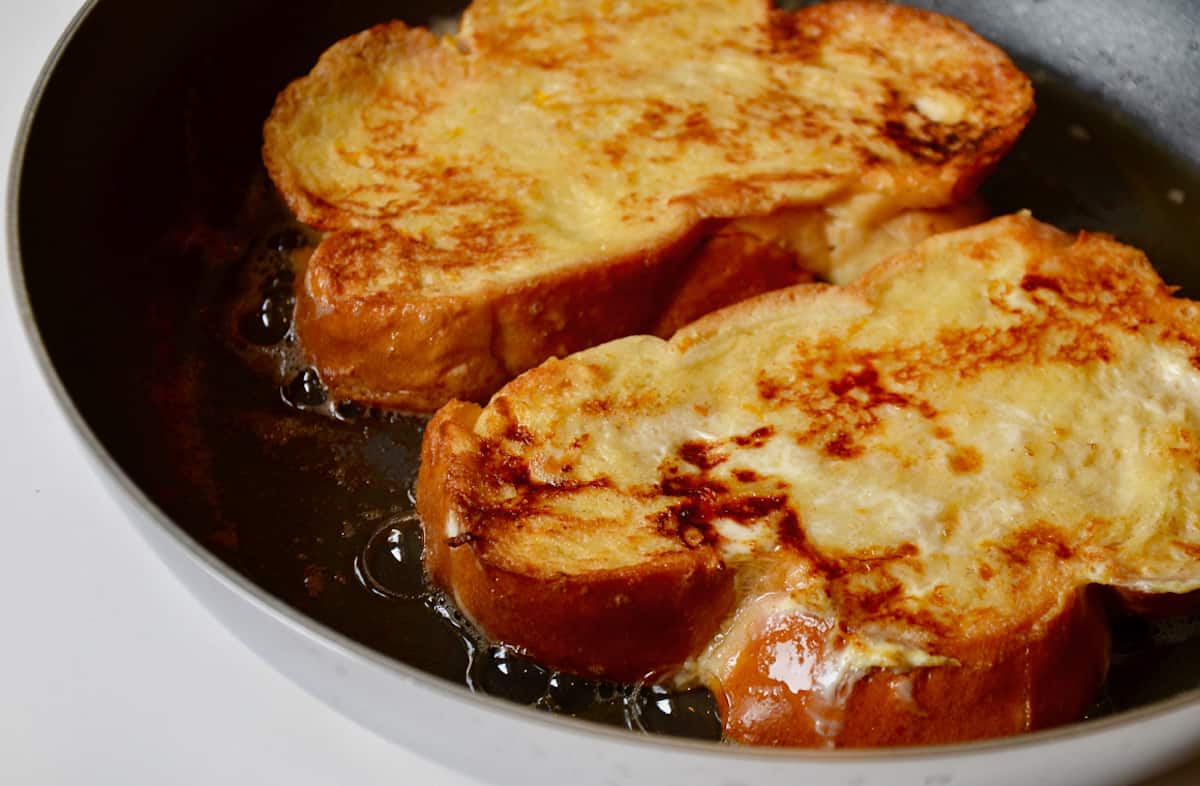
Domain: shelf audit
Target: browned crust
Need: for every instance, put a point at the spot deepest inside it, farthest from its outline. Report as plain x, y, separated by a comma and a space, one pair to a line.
340, 69
992, 79
417, 354
402, 349
1026, 675
626, 624
729, 267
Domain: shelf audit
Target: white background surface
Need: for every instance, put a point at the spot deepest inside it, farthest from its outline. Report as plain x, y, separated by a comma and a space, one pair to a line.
109, 671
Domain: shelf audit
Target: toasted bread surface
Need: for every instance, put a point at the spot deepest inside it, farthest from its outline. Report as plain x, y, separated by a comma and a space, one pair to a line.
909, 483
613, 602
471, 188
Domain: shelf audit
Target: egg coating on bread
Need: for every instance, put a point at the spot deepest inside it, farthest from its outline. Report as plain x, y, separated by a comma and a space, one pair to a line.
538, 183
916, 480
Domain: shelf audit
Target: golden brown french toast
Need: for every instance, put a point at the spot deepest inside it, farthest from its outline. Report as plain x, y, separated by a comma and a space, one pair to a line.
545, 180
886, 513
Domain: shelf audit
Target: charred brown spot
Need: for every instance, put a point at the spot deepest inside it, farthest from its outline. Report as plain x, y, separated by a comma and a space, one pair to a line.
1033, 281
843, 446
698, 128
797, 36
653, 118
751, 508
926, 619
1022, 546
869, 603
513, 430
689, 520
768, 389
703, 501
704, 455
691, 486
926, 140
920, 137
462, 540
965, 459
866, 382
867, 377
562, 486
791, 534
926, 409
841, 568
866, 562
861, 584
756, 438
745, 475
596, 406
506, 491
615, 151
499, 466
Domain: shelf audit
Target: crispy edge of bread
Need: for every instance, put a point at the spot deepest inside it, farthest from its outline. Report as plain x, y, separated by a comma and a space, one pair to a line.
416, 353
421, 353
626, 624
1039, 670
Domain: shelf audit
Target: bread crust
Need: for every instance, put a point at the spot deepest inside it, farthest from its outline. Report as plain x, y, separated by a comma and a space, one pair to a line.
1028, 674
416, 354
378, 332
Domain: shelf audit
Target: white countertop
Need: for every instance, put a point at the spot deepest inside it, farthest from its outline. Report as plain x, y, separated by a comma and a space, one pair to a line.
110, 672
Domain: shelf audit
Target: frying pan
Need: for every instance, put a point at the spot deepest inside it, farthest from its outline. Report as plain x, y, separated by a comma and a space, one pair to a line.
139, 212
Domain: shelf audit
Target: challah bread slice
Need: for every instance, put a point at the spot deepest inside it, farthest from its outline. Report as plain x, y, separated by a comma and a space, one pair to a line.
540, 183
913, 486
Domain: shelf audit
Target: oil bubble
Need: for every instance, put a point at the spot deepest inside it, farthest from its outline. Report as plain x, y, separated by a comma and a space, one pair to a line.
304, 390
390, 564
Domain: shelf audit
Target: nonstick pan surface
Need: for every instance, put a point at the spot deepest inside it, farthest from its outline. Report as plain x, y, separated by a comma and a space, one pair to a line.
142, 209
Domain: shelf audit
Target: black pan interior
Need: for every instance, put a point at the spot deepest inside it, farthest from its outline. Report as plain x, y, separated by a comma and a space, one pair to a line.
141, 200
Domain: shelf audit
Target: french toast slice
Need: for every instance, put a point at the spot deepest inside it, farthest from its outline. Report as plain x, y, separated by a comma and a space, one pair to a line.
885, 513
545, 180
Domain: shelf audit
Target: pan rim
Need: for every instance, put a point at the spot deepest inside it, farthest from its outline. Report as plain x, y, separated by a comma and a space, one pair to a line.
359, 653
